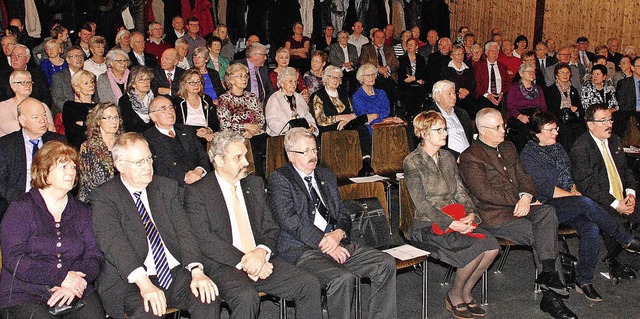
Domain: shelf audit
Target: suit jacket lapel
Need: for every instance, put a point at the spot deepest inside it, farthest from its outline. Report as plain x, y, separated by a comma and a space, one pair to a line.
131, 221
220, 206
252, 210
160, 217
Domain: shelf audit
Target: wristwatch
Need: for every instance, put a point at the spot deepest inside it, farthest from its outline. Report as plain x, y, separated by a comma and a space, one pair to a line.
196, 266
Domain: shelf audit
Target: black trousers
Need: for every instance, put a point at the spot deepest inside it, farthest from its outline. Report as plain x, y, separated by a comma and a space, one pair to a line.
92, 310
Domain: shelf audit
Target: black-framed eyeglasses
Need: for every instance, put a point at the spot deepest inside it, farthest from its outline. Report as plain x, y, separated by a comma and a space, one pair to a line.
194, 83
553, 129
440, 130
23, 83
603, 121
307, 152
140, 163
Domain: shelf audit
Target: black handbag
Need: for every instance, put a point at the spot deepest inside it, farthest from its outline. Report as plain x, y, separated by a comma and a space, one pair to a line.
369, 224
569, 264
357, 122
65, 309
569, 116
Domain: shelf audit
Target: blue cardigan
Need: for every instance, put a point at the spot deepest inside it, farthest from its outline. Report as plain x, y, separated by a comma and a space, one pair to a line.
377, 103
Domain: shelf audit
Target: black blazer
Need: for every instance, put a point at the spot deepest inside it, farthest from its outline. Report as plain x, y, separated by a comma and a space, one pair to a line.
626, 94
589, 170
404, 70
150, 60
13, 166
174, 161
214, 76
122, 238
131, 121
465, 120
289, 200
160, 80
40, 85
171, 37
208, 108
264, 75
210, 221
552, 99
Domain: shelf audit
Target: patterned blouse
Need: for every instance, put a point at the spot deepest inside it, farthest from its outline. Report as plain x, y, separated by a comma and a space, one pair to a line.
591, 95
313, 82
96, 166
235, 111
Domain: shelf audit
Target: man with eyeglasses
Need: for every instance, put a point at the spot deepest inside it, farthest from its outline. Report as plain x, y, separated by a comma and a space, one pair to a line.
138, 54
8, 42
17, 149
563, 56
258, 72
152, 260
193, 37
20, 56
314, 232
505, 197
155, 45
492, 80
61, 89
600, 171
238, 233
177, 152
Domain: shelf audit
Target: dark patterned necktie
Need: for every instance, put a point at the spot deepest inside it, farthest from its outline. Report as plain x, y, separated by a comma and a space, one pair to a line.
322, 210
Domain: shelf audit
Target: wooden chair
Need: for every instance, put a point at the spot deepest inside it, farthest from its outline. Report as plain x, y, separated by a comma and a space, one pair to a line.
249, 156
340, 152
276, 156
377, 189
390, 147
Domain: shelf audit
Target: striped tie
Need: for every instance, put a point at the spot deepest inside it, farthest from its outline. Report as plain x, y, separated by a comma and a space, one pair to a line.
157, 247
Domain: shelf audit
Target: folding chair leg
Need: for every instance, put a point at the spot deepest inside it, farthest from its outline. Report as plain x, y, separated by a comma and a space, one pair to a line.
283, 308
358, 305
503, 259
447, 276
484, 299
424, 289
536, 287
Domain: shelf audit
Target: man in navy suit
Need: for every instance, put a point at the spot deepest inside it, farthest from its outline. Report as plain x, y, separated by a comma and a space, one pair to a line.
259, 83
18, 148
166, 76
315, 224
230, 217
152, 260
177, 153
627, 94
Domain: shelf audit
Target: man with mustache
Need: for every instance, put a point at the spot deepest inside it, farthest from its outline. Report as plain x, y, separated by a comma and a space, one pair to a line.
230, 217
177, 153
600, 171
315, 226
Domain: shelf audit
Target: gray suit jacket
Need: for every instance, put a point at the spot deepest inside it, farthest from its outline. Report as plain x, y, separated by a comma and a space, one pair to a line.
61, 90
122, 238
550, 79
336, 55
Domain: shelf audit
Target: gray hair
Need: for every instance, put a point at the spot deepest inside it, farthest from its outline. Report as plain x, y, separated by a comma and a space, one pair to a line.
17, 46
525, 67
121, 34
365, 68
124, 143
15, 74
113, 54
202, 52
330, 70
294, 135
490, 44
137, 72
440, 86
285, 73
52, 43
483, 114
220, 143
181, 40
232, 69
255, 48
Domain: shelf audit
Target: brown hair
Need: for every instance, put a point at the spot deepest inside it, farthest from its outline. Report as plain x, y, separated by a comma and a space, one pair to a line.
49, 155
95, 116
182, 91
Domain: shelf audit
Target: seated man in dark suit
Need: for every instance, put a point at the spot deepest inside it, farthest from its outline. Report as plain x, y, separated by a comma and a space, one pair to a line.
437, 61
138, 55
315, 225
175, 30
505, 197
600, 171
17, 149
259, 83
20, 56
459, 129
61, 90
151, 256
166, 76
177, 153
628, 102
230, 217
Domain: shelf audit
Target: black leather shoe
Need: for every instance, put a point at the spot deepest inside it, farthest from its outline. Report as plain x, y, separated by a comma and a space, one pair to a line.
366, 169
551, 281
633, 246
556, 308
588, 291
619, 271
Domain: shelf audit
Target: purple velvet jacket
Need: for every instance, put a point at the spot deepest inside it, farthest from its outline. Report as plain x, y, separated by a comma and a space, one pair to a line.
45, 250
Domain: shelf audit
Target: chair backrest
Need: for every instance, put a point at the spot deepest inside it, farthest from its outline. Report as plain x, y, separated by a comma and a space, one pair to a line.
249, 155
276, 156
390, 147
340, 152
407, 209
365, 190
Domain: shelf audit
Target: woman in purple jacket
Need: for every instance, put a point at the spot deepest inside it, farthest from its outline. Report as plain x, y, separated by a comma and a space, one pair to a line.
50, 256
524, 99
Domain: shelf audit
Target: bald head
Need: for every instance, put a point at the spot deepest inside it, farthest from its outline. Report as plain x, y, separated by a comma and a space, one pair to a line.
32, 117
169, 59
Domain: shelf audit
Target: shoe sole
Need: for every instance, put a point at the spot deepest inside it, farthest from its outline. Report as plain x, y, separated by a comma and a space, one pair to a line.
580, 291
561, 292
449, 307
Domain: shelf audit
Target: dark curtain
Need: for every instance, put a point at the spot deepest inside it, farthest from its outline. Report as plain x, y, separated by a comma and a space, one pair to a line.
436, 15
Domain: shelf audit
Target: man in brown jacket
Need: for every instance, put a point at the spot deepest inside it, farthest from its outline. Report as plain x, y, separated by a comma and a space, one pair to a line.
505, 198
384, 59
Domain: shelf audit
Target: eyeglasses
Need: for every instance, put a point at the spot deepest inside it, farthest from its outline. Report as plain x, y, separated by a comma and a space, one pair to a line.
194, 83
24, 83
440, 130
496, 128
564, 72
163, 109
121, 61
603, 121
553, 129
111, 118
144, 80
140, 163
18, 56
369, 75
333, 77
307, 152
241, 76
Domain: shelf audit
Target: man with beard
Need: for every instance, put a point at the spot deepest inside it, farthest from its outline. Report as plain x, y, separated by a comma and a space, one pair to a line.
230, 217
600, 171
315, 226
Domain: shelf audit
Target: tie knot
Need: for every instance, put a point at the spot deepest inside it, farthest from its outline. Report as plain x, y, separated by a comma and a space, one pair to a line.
308, 179
137, 194
233, 188
34, 142
169, 74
